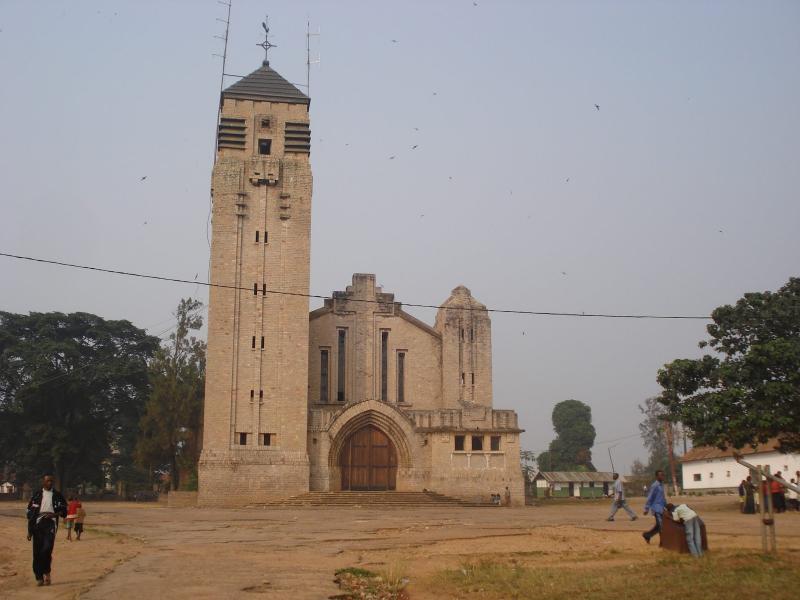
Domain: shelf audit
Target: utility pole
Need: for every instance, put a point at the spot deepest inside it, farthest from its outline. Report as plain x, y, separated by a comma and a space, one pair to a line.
671, 452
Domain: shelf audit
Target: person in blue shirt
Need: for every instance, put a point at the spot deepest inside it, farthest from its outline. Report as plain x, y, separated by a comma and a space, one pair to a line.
656, 501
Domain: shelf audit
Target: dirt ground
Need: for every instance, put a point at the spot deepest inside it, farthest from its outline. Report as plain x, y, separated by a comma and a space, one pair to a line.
151, 551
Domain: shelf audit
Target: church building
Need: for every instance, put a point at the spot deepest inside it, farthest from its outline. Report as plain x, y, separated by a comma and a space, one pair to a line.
358, 394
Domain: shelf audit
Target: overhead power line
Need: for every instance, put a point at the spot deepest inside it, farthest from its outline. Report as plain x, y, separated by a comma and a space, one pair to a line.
321, 297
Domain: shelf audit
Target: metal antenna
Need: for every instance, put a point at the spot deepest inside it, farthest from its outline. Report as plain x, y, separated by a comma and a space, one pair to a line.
309, 62
224, 57
266, 44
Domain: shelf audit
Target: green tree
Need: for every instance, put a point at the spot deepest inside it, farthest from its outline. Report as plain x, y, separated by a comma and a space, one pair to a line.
170, 433
653, 435
575, 434
749, 390
72, 389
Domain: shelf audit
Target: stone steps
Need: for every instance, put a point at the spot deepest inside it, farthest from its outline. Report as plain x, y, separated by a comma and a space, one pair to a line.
372, 499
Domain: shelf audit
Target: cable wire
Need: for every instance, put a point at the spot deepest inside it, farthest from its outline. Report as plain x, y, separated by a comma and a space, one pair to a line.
300, 294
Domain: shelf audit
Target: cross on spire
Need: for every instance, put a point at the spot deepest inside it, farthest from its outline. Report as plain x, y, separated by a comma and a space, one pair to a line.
266, 44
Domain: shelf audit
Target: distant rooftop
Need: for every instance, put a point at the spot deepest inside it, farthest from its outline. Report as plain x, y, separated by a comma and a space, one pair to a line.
265, 84
709, 452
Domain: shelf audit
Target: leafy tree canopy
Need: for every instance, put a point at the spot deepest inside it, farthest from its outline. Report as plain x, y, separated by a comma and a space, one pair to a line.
575, 434
72, 389
749, 390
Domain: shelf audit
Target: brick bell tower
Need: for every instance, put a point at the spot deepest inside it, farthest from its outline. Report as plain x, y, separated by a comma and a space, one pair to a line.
256, 419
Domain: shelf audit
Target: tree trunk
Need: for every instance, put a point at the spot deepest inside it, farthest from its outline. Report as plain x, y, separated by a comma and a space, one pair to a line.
175, 478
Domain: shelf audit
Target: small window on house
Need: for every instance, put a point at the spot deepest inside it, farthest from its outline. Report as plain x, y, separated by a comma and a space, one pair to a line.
257, 232
253, 345
265, 124
473, 378
697, 477
266, 439
264, 288
266, 237
459, 443
462, 334
471, 334
264, 146
252, 394
495, 443
255, 289
260, 394
477, 443
262, 342
243, 439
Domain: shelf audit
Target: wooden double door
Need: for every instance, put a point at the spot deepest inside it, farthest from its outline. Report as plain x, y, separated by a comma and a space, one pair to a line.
368, 461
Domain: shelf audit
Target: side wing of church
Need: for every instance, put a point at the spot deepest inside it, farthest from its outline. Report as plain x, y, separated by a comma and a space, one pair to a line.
358, 395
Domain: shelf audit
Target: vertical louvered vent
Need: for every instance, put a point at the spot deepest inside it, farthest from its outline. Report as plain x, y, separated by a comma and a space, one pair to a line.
297, 138
231, 133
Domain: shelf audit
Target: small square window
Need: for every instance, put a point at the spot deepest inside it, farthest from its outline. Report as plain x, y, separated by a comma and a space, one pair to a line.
243, 439
264, 146
264, 123
459, 443
495, 443
477, 443
697, 477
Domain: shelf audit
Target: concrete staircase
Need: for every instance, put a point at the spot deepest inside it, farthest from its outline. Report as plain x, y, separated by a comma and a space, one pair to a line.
373, 500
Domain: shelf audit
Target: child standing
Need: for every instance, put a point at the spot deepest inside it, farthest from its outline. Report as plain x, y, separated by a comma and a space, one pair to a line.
72, 509
80, 515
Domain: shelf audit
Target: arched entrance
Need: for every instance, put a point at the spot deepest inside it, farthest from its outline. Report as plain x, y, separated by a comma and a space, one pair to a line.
368, 461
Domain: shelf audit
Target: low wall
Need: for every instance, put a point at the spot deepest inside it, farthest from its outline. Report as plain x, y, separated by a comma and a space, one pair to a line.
181, 499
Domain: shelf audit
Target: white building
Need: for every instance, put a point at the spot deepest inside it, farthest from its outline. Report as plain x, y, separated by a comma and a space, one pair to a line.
706, 468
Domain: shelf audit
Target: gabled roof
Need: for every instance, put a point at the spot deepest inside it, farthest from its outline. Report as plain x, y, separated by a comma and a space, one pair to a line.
266, 84
574, 476
711, 452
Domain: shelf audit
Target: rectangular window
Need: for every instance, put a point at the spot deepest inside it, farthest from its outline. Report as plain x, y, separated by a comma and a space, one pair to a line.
340, 367
264, 288
264, 146
266, 237
243, 439
384, 365
262, 342
264, 123
252, 394
459, 443
260, 394
473, 378
477, 443
462, 334
257, 232
266, 439
471, 334
495, 443
323, 376
462, 378
255, 289
696, 477
253, 345
401, 377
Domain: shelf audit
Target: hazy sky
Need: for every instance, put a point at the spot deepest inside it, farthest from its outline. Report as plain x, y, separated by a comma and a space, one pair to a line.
678, 195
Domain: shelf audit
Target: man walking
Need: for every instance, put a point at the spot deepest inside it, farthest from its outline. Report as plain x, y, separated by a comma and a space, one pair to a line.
619, 500
656, 501
44, 509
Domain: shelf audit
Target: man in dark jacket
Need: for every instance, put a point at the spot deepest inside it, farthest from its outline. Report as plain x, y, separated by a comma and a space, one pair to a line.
44, 509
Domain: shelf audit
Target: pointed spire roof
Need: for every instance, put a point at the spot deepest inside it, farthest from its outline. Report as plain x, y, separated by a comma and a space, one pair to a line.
265, 84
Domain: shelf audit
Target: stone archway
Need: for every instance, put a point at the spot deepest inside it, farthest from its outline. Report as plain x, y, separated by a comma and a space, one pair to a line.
368, 461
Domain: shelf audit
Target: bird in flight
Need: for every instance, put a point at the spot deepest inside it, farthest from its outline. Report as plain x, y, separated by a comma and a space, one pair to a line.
394, 41
416, 128
597, 106
414, 147
567, 179
563, 272
391, 157
143, 178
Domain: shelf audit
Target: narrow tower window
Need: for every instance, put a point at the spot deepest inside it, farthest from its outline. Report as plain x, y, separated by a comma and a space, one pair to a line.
340, 367
262, 347
255, 289
264, 288
472, 374
243, 439
323, 375
266, 237
252, 394
384, 365
264, 146
254, 342
401, 374
266, 439
257, 232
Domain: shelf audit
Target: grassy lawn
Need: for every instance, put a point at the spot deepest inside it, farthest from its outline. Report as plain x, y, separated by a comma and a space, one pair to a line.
718, 575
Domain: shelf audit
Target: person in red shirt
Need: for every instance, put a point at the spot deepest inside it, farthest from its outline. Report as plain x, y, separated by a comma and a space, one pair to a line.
72, 512
778, 495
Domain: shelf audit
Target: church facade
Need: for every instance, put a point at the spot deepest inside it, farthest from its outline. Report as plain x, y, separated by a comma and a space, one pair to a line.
356, 395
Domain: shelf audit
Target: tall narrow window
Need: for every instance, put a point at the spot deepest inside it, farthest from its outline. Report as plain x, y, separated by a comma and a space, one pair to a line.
266, 439
473, 375
462, 378
323, 376
266, 237
264, 288
471, 334
477, 443
243, 439
384, 365
340, 367
253, 345
459, 447
255, 289
257, 232
495, 443
262, 346
401, 375
264, 146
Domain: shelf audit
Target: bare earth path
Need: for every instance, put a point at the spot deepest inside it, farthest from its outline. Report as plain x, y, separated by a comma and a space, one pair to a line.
149, 551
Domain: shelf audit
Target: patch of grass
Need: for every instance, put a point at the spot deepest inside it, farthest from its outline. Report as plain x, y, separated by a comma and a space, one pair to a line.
356, 572
721, 575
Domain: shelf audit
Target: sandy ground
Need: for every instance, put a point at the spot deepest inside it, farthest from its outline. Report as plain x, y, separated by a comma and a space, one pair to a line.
150, 551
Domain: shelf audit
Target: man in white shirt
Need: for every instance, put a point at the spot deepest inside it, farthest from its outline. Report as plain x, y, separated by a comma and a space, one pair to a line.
619, 500
44, 508
691, 524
